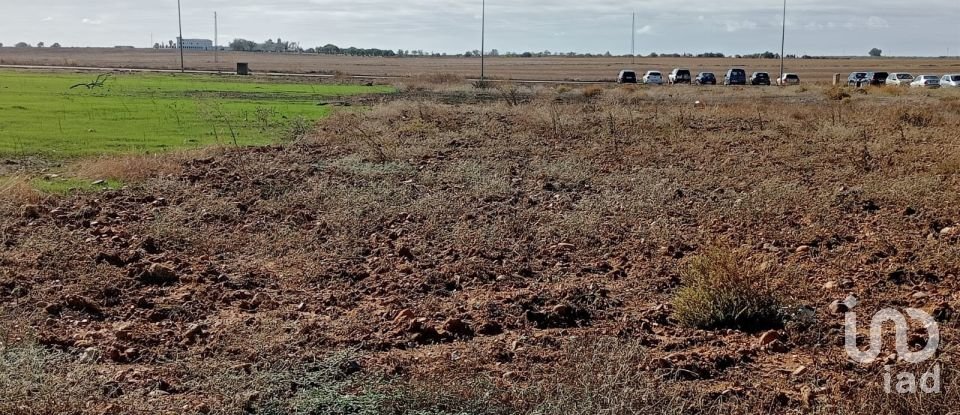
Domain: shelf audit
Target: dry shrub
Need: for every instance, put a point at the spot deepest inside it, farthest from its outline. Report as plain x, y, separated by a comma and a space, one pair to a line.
916, 117
837, 93
723, 289
18, 191
593, 91
128, 168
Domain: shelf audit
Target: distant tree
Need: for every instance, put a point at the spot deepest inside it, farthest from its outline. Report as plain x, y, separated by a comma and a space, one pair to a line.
876, 53
55, 46
156, 46
242, 45
170, 44
22, 45
494, 52
1, 45
654, 55
40, 44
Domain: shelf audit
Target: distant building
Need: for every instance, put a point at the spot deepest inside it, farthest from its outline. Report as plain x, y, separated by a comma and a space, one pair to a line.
196, 44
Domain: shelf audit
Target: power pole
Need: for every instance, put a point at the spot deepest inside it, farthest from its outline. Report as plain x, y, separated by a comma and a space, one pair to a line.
483, 39
783, 40
216, 40
633, 38
180, 40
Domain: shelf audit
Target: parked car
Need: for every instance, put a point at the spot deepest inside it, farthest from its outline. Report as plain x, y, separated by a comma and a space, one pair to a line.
951, 80
926, 81
760, 78
679, 76
735, 76
857, 79
627, 77
877, 78
899, 79
705, 78
788, 79
653, 78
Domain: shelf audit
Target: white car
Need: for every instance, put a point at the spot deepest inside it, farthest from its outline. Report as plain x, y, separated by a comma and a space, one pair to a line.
952, 80
899, 79
926, 81
788, 79
653, 78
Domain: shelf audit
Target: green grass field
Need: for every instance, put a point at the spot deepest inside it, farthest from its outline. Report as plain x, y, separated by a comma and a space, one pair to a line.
40, 115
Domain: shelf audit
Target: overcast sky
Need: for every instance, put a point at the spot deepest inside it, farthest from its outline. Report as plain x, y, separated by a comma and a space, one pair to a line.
815, 27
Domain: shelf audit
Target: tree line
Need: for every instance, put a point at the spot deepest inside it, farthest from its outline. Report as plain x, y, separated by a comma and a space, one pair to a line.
27, 45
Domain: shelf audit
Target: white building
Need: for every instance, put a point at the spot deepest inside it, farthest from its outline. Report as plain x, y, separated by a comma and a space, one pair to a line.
196, 44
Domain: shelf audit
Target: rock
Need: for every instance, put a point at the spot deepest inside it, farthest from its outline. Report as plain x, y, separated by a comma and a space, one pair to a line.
949, 231
769, 337
800, 371
566, 247
159, 274
490, 328
404, 316
838, 307
943, 312
458, 328
778, 346
919, 295
830, 285
83, 304
802, 249
30, 211
98, 183
192, 332
111, 258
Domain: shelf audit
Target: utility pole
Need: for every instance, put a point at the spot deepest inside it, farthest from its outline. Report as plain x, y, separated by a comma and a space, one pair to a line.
633, 38
483, 39
216, 40
783, 41
180, 40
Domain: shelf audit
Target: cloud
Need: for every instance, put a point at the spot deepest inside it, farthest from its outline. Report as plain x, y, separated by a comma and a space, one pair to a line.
875, 22
738, 25
91, 21
645, 30
47, 19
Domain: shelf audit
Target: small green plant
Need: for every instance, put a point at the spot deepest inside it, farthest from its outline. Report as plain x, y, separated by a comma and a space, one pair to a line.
721, 289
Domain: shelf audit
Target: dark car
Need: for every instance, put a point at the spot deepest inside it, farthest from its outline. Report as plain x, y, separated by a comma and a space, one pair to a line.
760, 78
627, 77
705, 78
857, 79
735, 77
877, 78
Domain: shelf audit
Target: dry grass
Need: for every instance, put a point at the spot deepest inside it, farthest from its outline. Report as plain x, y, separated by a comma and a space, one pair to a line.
18, 191
131, 168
